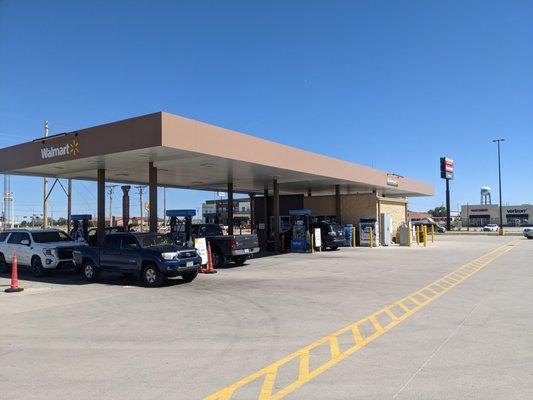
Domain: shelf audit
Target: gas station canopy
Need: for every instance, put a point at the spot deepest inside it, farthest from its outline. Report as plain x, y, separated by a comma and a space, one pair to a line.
195, 155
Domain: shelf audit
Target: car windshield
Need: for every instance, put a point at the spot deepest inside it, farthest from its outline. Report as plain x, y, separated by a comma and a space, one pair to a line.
336, 227
155, 240
50, 237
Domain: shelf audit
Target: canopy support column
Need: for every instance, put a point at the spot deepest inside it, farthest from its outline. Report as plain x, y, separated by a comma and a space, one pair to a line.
277, 242
69, 205
230, 208
100, 226
266, 216
252, 212
338, 203
152, 177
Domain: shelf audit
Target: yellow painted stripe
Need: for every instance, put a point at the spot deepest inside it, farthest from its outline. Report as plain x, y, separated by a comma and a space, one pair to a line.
269, 373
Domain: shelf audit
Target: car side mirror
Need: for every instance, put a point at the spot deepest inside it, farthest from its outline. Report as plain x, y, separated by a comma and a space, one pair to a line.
25, 242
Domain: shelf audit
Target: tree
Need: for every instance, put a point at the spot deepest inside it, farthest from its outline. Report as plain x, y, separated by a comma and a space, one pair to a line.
438, 212
61, 221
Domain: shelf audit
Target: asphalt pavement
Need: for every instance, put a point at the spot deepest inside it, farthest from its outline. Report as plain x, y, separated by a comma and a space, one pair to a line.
62, 338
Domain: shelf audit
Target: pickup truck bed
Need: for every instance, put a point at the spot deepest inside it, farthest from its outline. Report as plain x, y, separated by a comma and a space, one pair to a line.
236, 248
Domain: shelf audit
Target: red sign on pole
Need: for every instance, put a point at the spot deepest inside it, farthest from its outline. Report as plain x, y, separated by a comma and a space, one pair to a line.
446, 168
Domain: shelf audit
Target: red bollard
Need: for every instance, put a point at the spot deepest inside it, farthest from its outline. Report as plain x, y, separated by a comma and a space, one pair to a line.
14, 277
210, 269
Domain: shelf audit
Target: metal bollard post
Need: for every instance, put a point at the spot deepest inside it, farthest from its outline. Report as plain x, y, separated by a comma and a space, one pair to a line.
353, 236
417, 234
425, 235
312, 242
371, 238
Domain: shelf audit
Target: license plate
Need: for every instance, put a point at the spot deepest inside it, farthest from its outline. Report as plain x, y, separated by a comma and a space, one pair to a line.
189, 264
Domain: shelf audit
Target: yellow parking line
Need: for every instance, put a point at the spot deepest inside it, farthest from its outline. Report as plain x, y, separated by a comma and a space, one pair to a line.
269, 373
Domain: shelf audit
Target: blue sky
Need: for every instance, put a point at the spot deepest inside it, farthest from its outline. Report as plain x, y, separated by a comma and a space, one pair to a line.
390, 84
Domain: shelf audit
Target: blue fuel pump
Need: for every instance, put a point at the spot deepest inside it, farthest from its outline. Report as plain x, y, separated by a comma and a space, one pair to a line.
175, 223
80, 226
300, 229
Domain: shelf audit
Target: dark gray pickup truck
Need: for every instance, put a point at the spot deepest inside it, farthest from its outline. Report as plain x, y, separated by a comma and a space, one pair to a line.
236, 248
151, 256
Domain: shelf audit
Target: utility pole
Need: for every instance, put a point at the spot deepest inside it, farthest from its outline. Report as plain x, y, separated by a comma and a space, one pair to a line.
500, 184
110, 189
9, 208
140, 193
45, 191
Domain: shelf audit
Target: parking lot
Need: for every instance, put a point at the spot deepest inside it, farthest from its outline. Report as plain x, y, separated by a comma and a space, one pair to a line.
63, 338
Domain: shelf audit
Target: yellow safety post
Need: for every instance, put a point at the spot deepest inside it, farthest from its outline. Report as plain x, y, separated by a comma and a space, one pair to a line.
371, 238
432, 234
501, 232
425, 235
353, 236
417, 233
410, 235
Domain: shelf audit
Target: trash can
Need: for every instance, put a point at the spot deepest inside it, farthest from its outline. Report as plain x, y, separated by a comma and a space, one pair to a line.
405, 234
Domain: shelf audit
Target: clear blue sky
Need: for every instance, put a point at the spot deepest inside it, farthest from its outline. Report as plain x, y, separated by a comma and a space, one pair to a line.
391, 84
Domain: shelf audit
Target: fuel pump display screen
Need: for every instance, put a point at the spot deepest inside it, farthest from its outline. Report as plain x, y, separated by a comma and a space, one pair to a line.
299, 231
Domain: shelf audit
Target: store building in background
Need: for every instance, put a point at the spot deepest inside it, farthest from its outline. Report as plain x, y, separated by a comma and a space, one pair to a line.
216, 211
483, 214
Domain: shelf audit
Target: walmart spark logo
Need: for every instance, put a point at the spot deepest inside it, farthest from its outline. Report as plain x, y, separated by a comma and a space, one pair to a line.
70, 149
74, 149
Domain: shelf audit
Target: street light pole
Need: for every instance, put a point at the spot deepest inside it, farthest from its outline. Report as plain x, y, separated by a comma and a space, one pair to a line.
500, 183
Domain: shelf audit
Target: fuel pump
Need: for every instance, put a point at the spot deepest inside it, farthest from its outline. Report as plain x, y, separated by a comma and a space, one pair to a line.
185, 234
80, 226
300, 229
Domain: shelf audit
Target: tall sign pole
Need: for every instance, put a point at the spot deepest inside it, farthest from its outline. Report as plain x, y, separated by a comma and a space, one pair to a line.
446, 172
45, 188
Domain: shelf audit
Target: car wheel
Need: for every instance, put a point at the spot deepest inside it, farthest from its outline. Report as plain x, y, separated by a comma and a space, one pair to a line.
151, 276
189, 276
4, 266
239, 260
218, 258
37, 267
90, 271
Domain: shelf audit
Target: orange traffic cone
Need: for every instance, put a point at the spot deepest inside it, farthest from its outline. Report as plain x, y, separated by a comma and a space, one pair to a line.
14, 277
210, 269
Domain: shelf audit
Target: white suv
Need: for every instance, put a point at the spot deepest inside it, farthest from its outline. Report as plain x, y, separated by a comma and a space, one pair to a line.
39, 249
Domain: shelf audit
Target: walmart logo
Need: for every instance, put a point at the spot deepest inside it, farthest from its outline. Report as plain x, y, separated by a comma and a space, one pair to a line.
70, 149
